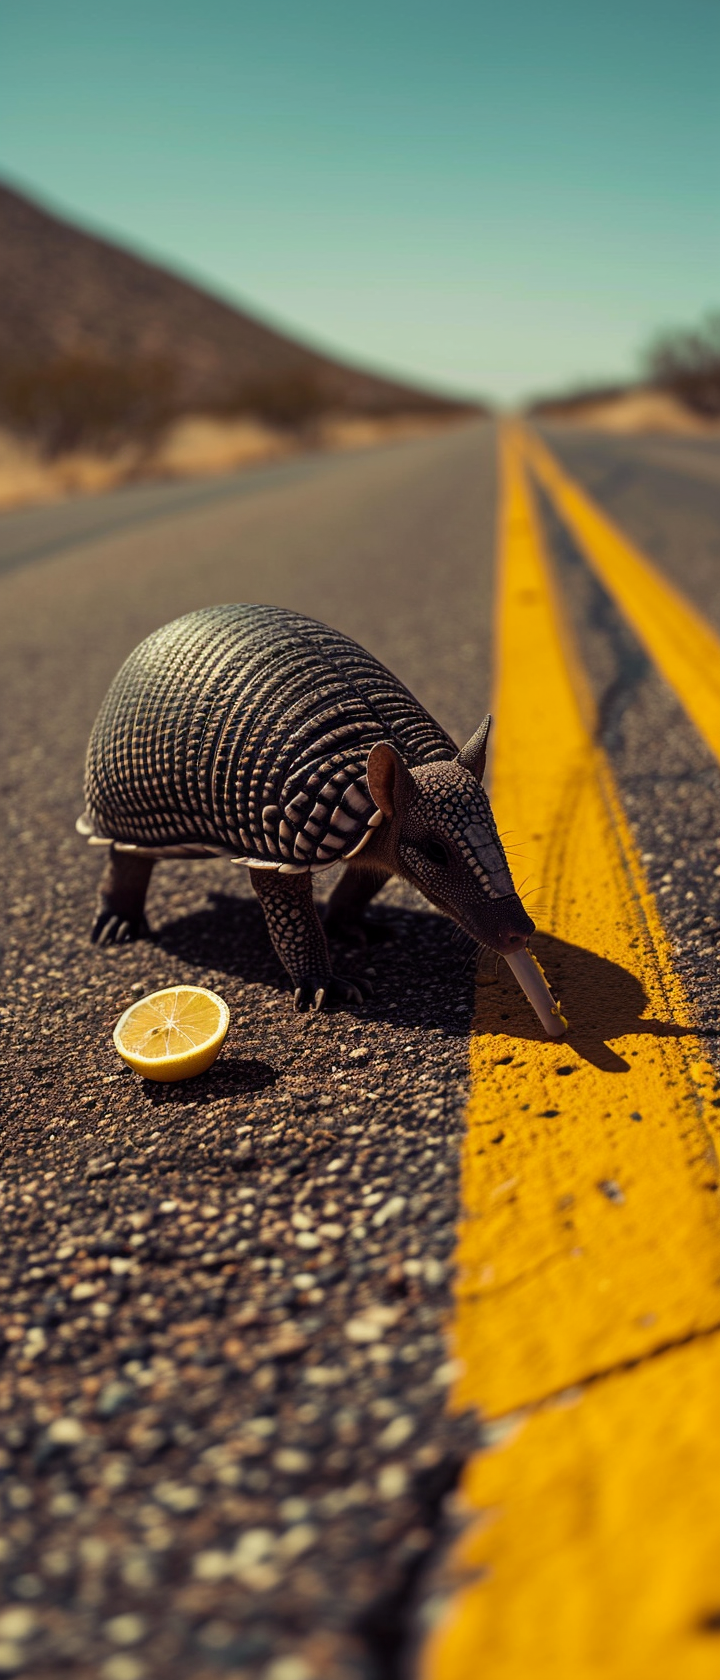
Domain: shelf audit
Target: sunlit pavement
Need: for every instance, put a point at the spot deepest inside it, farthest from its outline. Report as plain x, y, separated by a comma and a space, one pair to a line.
589, 1260
254, 1470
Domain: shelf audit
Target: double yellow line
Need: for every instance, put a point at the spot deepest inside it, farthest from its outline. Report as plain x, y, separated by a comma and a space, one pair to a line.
588, 1301
684, 648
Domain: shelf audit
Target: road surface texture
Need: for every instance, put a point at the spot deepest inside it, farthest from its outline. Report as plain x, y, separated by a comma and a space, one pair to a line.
228, 1305
588, 1264
181, 1374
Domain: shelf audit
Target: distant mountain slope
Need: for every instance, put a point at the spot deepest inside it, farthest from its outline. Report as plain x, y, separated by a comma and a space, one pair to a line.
65, 293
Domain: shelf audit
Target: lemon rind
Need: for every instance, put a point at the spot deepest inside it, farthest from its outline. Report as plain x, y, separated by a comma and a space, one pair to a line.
181, 1065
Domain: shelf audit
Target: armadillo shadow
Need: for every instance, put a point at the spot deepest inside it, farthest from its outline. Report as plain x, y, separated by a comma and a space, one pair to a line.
425, 976
424, 969
601, 999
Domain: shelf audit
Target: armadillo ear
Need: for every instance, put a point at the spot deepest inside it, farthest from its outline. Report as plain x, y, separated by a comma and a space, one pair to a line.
472, 756
389, 780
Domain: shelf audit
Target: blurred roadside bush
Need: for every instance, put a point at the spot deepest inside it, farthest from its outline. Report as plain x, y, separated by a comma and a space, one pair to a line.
79, 402
687, 363
82, 402
291, 400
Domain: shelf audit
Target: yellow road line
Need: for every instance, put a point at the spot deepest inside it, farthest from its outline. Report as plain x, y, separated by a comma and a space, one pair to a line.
683, 646
601, 1540
591, 1231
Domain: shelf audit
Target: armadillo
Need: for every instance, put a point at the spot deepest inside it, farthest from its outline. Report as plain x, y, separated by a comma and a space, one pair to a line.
258, 733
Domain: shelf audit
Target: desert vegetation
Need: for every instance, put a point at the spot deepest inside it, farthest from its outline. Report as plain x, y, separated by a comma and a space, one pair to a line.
87, 402
678, 388
96, 404
686, 363
561, 404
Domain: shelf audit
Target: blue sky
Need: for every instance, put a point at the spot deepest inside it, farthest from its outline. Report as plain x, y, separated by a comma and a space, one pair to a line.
494, 198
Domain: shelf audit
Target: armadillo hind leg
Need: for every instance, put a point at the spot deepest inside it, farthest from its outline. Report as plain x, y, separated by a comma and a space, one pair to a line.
120, 915
345, 916
299, 940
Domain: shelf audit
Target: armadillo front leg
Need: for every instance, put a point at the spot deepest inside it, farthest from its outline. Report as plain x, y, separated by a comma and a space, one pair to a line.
295, 931
121, 907
345, 918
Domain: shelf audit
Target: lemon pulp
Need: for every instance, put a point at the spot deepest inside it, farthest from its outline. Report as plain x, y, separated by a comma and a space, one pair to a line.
173, 1034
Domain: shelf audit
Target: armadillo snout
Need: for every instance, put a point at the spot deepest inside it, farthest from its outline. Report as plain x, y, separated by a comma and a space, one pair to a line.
510, 941
507, 926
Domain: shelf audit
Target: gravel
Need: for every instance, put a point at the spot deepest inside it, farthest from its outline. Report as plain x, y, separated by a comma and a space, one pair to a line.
224, 1390
225, 1438
225, 1443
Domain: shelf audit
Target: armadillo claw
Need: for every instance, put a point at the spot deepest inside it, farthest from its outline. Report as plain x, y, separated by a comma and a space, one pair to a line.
111, 929
305, 995
315, 993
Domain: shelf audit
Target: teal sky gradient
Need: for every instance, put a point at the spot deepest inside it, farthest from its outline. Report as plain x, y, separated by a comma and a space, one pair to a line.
492, 198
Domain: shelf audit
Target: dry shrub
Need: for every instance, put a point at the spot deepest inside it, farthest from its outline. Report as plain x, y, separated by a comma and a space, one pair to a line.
290, 400
687, 363
85, 402
566, 402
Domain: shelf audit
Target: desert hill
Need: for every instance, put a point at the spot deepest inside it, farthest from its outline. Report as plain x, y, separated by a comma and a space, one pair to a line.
66, 295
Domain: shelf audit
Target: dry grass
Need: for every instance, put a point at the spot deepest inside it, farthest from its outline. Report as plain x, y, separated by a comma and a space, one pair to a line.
196, 446
637, 410
201, 444
27, 476
83, 423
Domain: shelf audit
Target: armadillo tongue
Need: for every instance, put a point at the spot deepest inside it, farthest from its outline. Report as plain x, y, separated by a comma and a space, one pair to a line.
529, 975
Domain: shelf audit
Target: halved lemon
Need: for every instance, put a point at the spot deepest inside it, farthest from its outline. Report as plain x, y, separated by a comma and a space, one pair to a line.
174, 1034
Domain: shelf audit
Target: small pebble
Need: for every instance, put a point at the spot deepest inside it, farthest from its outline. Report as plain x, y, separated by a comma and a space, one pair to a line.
396, 1434
611, 1190
211, 1566
291, 1462
123, 1666
18, 1623
127, 1629
392, 1481
288, 1668
66, 1432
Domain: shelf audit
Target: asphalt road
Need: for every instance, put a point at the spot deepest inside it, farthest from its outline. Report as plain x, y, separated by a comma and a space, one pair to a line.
226, 1450
179, 1371
665, 495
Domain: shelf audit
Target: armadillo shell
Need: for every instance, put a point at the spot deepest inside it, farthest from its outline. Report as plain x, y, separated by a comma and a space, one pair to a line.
246, 729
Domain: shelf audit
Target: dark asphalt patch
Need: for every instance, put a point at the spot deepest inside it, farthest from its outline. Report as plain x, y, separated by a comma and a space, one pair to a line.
225, 1355
668, 779
38, 533
223, 1401
664, 493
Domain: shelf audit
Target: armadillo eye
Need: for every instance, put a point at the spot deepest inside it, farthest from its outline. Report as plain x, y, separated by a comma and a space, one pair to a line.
436, 853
